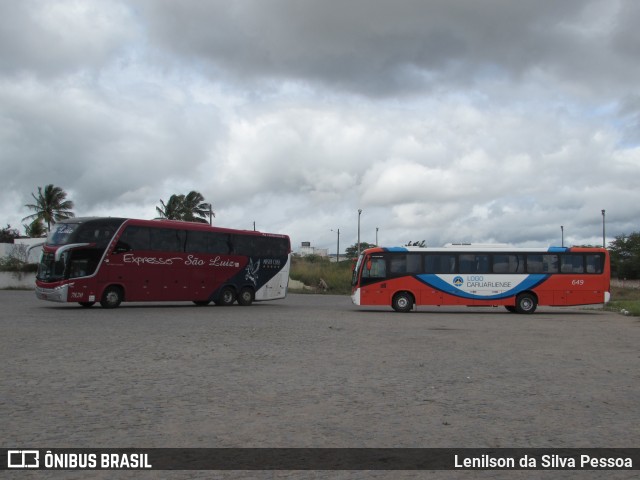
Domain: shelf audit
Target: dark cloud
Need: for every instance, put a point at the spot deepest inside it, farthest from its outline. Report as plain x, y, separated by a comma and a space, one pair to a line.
382, 47
52, 38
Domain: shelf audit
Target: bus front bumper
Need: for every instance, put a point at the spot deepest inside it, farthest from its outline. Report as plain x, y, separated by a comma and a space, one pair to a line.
355, 297
57, 294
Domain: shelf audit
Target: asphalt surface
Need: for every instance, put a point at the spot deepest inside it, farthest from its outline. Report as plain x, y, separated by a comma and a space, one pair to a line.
315, 371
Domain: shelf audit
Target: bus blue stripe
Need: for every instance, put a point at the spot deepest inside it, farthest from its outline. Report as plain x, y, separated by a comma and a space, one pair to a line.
436, 282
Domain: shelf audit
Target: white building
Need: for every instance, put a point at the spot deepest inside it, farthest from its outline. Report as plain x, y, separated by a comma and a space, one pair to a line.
26, 249
307, 249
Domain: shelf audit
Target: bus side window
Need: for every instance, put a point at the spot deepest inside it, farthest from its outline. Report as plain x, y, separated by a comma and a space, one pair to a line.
378, 268
542, 263
196, 242
508, 263
474, 263
133, 238
550, 263
594, 263
414, 263
571, 264
398, 264
167, 240
440, 263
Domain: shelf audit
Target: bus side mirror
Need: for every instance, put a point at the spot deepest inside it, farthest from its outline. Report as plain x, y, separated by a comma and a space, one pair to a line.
369, 264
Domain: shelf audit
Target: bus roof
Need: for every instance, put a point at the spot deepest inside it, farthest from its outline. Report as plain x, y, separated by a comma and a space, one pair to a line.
163, 222
488, 248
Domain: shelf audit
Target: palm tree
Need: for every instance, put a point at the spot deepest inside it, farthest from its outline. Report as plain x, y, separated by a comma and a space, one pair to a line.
51, 206
35, 229
194, 208
189, 208
172, 209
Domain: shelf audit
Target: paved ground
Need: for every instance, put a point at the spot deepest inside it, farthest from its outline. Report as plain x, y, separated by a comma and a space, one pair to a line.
316, 371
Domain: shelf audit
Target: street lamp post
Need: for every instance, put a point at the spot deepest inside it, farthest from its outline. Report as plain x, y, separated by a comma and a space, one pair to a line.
210, 213
603, 234
359, 213
338, 248
376, 236
562, 232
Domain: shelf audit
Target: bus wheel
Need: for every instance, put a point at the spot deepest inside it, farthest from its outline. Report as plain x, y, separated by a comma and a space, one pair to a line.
526, 303
112, 297
402, 302
227, 297
87, 304
246, 296
510, 308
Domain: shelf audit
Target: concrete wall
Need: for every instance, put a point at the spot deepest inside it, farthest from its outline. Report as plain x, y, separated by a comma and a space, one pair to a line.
26, 281
615, 282
28, 249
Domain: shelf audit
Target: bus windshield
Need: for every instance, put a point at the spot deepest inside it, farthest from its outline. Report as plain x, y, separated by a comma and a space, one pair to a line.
356, 270
50, 270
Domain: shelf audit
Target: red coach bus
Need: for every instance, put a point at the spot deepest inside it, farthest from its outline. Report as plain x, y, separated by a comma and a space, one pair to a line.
519, 279
111, 260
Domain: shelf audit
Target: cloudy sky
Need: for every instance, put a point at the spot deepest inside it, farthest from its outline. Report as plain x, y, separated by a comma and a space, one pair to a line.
444, 121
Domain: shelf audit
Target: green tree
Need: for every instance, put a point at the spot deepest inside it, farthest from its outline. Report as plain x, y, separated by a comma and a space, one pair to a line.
195, 209
51, 206
421, 243
625, 255
8, 234
172, 209
352, 251
35, 229
188, 208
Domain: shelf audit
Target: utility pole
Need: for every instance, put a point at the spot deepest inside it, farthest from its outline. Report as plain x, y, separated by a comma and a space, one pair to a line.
359, 213
338, 247
604, 242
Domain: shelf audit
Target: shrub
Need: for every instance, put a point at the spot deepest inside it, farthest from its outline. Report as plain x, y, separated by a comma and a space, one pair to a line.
337, 276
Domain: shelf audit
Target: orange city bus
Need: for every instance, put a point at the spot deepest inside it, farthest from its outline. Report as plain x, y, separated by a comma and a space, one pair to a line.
519, 279
111, 260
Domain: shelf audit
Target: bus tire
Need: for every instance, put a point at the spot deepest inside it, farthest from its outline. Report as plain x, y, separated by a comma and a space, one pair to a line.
112, 297
245, 297
227, 297
526, 303
510, 308
402, 302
